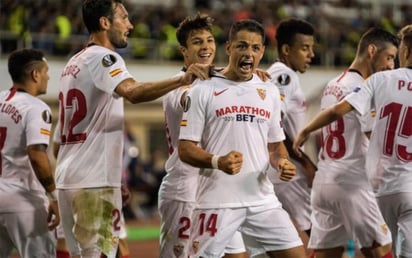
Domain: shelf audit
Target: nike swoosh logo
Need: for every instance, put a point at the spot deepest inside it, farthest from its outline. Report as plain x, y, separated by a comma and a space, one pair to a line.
217, 93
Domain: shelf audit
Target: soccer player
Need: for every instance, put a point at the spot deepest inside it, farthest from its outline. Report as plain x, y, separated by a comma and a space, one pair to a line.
92, 86
26, 179
177, 193
231, 129
388, 163
341, 186
295, 40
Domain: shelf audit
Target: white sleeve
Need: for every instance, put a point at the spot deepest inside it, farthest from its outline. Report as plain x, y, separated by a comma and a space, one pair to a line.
38, 125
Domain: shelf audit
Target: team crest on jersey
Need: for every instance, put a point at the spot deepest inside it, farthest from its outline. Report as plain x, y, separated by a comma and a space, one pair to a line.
178, 250
261, 93
46, 116
108, 60
195, 246
384, 228
186, 103
283, 79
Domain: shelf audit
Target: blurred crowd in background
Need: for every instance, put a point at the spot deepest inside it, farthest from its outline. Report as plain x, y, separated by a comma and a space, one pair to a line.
55, 26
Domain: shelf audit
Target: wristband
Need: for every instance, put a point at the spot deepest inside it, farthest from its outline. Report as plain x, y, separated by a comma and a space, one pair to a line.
215, 161
52, 195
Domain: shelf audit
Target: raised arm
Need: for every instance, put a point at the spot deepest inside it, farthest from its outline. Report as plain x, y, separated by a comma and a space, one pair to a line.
137, 92
325, 117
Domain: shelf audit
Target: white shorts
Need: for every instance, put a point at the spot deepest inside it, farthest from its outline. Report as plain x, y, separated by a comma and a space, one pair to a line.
175, 228
28, 232
91, 220
345, 212
264, 228
236, 244
397, 211
295, 199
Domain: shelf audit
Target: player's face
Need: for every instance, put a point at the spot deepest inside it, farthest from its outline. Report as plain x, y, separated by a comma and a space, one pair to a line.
200, 48
245, 52
299, 55
384, 59
120, 27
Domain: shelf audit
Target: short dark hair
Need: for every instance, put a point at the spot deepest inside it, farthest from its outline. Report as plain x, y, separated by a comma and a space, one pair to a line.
22, 62
249, 25
378, 37
94, 9
288, 28
189, 24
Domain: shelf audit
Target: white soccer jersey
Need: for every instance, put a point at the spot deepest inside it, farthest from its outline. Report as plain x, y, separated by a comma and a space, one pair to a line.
343, 142
389, 155
180, 182
24, 120
91, 120
293, 105
223, 116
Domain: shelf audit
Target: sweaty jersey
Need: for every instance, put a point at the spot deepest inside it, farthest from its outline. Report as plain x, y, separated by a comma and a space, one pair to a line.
293, 105
24, 120
180, 181
343, 142
91, 120
390, 149
224, 115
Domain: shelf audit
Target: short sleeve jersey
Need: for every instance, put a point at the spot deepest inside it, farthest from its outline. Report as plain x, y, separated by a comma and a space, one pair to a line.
389, 155
224, 115
24, 120
91, 120
293, 104
343, 142
181, 179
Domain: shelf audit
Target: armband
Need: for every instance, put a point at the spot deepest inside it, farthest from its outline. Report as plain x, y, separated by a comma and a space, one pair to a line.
215, 161
52, 195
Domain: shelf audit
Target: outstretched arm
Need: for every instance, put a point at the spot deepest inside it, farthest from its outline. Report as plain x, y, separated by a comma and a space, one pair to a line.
325, 117
137, 92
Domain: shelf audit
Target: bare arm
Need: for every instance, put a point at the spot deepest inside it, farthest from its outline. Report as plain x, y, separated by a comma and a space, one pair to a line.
41, 165
56, 147
192, 154
324, 118
137, 92
279, 159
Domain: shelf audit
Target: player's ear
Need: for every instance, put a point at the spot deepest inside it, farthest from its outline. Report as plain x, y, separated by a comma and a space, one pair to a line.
372, 49
104, 22
285, 49
228, 48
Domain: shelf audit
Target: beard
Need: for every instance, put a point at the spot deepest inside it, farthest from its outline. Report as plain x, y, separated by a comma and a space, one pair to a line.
116, 40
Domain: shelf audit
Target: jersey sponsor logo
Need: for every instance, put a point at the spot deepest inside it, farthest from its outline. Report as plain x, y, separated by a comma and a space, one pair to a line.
283, 79
44, 131
186, 104
261, 93
217, 93
243, 110
46, 116
108, 60
115, 72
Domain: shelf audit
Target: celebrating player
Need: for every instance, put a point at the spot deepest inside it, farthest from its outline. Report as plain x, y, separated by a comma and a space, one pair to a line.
89, 165
231, 130
388, 163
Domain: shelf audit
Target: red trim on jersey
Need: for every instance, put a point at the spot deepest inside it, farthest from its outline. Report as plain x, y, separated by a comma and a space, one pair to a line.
13, 91
342, 75
62, 254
